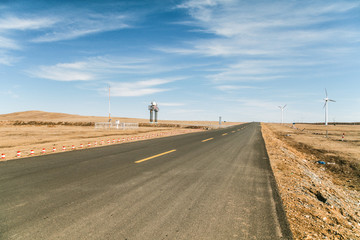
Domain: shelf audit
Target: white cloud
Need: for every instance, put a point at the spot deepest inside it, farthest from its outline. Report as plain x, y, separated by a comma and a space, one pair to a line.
64, 25
17, 23
73, 26
140, 88
7, 59
94, 68
60, 73
285, 34
7, 43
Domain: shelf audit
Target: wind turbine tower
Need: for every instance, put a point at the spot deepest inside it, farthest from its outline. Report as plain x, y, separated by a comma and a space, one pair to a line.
282, 113
327, 99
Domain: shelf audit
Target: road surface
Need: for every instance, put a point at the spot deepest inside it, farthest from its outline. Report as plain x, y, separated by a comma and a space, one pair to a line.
210, 185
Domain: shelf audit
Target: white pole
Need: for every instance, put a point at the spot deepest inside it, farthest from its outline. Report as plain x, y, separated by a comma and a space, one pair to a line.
109, 104
326, 113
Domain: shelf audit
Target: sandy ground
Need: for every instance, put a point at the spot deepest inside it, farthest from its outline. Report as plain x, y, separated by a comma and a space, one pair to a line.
322, 201
25, 138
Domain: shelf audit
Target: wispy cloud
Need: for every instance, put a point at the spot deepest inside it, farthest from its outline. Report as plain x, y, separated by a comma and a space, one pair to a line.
47, 27
140, 88
9, 22
284, 35
93, 68
73, 26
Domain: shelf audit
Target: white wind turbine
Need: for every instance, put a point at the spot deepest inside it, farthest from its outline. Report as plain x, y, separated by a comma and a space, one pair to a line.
282, 113
326, 99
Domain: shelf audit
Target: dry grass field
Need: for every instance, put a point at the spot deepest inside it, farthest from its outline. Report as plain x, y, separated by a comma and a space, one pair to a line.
318, 176
35, 130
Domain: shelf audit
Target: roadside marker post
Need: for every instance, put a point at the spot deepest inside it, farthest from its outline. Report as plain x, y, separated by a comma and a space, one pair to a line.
63, 148
3, 156
54, 149
89, 144
18, 154
32, 152
72, 147
81, 145
43, 151
108, 141
343, 136
123, 140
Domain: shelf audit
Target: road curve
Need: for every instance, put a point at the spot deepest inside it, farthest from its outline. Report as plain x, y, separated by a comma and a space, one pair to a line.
210, 185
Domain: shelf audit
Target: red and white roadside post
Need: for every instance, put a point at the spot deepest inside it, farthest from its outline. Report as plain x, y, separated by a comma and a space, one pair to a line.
81, 145
3, 156
95, 144
43, 151
18, 154
89, 144
54, 149
31, 152
343, 136
64, 148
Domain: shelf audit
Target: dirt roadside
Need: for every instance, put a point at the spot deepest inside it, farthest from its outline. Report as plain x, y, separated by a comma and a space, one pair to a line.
320, 200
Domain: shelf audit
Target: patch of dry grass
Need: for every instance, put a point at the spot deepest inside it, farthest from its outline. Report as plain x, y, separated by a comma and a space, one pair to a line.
321, 201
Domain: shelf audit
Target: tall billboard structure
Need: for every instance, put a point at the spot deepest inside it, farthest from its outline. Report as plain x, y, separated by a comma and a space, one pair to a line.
153, 107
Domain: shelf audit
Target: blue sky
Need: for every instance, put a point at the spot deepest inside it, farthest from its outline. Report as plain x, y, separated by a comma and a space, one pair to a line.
199, 59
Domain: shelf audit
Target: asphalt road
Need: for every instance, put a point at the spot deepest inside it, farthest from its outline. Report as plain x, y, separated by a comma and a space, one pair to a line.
209, 185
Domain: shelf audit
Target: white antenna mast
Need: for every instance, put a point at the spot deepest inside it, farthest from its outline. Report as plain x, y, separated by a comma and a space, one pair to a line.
282, 113
109, 105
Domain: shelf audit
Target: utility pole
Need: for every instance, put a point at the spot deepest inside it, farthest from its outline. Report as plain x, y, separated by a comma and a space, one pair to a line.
109, 105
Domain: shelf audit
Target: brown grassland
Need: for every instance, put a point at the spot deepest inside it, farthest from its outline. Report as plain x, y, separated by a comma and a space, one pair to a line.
322, 201
35, 130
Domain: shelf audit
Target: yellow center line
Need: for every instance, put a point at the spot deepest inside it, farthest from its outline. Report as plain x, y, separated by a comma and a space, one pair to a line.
207, 139
225, 134
145, 159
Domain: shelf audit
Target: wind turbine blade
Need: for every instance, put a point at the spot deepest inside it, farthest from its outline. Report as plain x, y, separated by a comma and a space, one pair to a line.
326, 92
285, 105
332, 100
280, 107
325, 104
